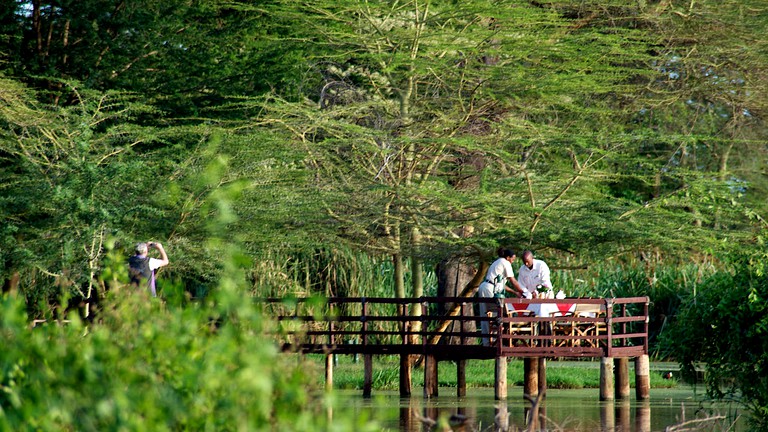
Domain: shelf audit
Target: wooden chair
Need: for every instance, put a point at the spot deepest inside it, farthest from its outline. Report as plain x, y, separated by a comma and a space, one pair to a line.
493, 328
527, 328
563, 328
588, 331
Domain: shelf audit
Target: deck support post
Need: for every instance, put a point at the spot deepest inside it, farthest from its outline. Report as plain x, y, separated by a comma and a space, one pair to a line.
405, 375
606, 379
642, 377
543, 377
500, 389
430, 376
461, 378
367, 374
328, 372
622, 378
531, 377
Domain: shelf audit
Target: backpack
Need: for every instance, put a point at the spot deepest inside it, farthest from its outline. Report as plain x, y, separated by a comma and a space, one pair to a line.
138, 269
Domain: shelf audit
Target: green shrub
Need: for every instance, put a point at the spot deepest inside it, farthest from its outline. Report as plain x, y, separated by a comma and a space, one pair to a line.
146, 366
724, 325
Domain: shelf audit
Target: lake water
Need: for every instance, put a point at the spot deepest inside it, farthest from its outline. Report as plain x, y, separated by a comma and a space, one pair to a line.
562, 410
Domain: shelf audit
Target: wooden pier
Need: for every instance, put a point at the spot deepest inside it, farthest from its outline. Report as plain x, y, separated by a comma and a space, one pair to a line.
429, 330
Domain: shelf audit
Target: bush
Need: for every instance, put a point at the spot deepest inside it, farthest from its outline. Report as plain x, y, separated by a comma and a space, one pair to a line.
145, 366
725, 326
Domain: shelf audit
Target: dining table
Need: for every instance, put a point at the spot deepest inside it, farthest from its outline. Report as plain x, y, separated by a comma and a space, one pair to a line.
543, 309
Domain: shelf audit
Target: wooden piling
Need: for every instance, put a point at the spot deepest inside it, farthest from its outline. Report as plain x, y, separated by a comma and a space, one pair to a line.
642, 377
430, 376
606, 379
543, 377
461, 378
622, 378
405, 375
367, 374
500, 390
329, 372
531, 376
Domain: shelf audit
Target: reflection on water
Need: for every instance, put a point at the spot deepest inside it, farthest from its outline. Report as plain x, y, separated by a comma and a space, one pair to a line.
561, 410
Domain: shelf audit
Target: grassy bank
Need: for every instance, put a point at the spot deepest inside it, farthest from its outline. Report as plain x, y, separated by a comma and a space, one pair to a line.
348, 373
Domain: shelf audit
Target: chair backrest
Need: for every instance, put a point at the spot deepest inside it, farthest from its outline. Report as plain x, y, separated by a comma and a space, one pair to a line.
589, 310
561, 314
522, 313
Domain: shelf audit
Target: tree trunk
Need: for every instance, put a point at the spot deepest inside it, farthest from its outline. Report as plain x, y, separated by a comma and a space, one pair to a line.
11, 284
453, 274
417, 280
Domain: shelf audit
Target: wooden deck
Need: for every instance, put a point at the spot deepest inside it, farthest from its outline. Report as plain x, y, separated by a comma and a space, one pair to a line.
381, 326
435, 329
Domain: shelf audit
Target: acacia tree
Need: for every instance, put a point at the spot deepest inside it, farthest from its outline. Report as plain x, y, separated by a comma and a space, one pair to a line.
709, 106
436, 117
71, 178
182, 56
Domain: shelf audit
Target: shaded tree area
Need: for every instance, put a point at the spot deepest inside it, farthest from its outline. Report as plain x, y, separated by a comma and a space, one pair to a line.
182, 57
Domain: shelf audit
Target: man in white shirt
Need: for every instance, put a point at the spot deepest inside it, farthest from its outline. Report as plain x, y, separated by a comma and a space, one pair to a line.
142, 267
533, 273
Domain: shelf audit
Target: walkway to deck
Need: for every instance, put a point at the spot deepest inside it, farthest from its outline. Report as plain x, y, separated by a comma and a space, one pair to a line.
434, 329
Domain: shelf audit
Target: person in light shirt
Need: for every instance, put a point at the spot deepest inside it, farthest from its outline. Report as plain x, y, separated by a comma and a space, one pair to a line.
495, 284
533, 273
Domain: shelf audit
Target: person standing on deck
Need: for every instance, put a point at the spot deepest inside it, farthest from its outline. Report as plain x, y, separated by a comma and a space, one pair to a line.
495, 284
533, 275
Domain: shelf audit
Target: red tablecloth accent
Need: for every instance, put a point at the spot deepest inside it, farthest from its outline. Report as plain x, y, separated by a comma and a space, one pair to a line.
565, 307
520, 306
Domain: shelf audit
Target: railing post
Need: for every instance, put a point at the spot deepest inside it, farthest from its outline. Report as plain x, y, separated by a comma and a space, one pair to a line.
423, 321
330, 326
405, 360
367, 357
609, 327
403, 323
364, 323
624, 324
462, 322
645, 325
499, 325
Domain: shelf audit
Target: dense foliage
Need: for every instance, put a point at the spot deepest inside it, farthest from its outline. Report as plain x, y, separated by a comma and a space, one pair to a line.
149, 367
349, 145
724, 327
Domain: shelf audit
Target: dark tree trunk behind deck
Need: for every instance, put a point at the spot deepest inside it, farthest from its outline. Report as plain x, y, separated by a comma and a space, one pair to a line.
452, 276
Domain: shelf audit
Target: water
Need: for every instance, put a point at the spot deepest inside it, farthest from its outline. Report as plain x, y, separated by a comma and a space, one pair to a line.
562, 410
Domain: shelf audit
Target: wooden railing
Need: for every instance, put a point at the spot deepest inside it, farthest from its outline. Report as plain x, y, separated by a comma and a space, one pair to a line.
367, 325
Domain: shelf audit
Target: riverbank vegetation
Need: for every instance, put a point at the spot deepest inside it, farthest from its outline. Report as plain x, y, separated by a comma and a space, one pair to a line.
153, 366
345, 148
